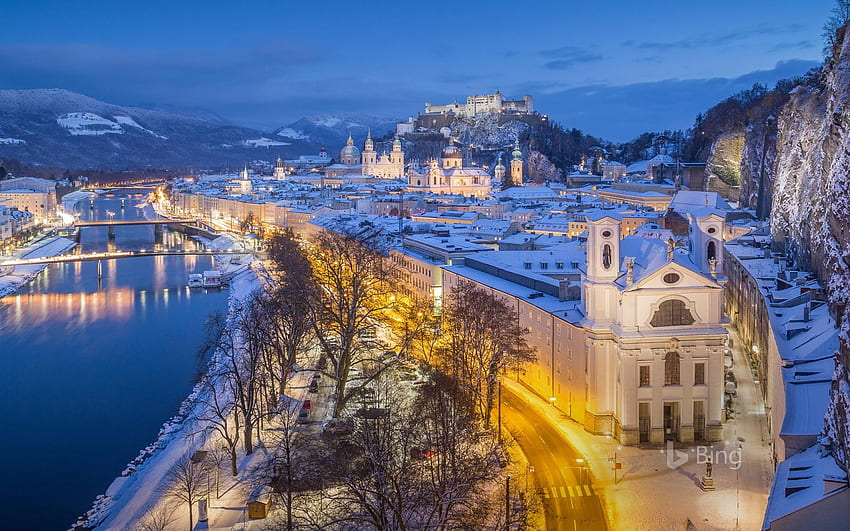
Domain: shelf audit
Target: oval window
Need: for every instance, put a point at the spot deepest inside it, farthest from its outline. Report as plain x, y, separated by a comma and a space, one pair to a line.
712, 230
606, 233
606, 256
671, 278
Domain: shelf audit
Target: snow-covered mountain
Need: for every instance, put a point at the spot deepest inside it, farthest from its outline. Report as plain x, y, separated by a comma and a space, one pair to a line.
331, 130
58, 128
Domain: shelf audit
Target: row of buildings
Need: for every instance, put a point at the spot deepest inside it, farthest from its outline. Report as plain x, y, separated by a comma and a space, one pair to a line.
625, 313
25, 203
626, 291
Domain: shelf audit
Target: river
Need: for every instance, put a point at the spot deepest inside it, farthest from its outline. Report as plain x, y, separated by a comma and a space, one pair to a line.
90, 369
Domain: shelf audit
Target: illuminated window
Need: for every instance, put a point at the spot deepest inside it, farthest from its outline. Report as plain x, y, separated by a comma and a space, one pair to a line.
671, 369
672, 313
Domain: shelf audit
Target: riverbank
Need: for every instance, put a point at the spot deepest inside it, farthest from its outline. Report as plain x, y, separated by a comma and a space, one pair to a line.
16, 277
133, 494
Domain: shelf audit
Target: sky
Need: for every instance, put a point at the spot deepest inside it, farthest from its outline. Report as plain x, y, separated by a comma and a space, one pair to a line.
613, 69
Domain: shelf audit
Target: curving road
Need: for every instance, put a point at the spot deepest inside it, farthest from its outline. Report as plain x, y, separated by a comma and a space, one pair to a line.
562, 480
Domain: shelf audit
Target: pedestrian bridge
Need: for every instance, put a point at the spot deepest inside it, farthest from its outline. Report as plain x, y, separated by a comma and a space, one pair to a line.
88, 257
117, 222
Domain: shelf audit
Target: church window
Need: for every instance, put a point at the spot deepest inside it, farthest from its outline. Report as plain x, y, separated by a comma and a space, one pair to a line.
606, 233
672, 313
644, 375
711, 251
671, 278
671, 369
712, 230
699, 374
606, 256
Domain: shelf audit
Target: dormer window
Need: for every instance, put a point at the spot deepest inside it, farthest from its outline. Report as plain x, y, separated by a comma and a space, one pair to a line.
559, 265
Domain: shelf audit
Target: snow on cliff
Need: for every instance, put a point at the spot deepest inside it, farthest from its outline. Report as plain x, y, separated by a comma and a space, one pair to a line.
811, 209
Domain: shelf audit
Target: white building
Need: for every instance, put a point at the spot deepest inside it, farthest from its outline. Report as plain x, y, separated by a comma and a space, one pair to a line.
484, 103
449, 176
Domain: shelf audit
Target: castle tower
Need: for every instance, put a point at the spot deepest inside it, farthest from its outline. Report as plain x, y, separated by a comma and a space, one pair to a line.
516, 164
279, 170
499, 171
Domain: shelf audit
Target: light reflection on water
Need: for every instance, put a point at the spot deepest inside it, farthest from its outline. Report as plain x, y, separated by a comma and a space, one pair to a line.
90, 368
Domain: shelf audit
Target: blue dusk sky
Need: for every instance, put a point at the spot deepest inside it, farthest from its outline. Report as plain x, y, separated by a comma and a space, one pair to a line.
613, 69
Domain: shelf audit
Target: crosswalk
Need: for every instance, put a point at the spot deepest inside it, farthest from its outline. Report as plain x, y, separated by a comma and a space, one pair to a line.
566, 491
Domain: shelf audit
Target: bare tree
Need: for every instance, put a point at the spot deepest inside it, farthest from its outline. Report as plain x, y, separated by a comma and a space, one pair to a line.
220, 417
482, 339
838, 18
352, 296
159, 518
186, 482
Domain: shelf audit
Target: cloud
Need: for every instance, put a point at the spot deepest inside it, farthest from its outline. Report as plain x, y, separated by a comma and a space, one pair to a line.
712, 40
798, 45
624, 111
568, 56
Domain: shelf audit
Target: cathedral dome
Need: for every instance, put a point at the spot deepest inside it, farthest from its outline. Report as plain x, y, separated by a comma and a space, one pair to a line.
451, 152
350, 150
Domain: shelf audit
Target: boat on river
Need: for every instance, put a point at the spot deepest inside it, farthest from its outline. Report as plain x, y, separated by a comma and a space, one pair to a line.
196, 280
212, 279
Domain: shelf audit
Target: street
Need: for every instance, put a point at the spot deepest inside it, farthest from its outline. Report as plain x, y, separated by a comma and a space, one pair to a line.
560, 475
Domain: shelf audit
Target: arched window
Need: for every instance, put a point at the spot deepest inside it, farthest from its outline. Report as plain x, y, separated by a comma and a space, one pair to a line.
606, 256
671, 369
711, 251
672, 313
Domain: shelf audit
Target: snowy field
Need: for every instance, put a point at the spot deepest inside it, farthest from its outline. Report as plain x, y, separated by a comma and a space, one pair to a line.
289, 132
11, 279
265, 142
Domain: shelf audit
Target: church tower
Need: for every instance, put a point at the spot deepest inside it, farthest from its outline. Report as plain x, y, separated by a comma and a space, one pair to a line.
499, 171
603, 268
516, 164
279, 170
369, 156
706, 238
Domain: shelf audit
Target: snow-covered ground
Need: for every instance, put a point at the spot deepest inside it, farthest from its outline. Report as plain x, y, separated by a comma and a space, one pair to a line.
12, 278
126, 120
11, 141
87, 123
289, 132
265, 142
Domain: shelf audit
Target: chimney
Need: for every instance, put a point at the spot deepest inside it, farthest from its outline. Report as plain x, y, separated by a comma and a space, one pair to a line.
807, 312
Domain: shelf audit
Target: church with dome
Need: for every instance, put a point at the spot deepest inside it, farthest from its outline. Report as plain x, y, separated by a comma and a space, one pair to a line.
368, 162
449, 176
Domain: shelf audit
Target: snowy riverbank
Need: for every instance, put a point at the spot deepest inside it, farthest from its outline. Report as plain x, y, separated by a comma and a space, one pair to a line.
11, 279
131, 495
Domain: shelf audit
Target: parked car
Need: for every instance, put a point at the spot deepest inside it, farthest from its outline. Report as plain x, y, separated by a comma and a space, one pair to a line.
304, 416
307, 404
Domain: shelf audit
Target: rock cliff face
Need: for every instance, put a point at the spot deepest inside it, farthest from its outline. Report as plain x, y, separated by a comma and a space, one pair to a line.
811, 207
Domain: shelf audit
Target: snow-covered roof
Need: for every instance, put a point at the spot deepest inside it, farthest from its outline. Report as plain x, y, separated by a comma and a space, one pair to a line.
689, 200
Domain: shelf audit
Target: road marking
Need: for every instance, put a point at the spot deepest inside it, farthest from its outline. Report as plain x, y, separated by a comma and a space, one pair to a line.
554, 492
563, 493
587, 490
571, 491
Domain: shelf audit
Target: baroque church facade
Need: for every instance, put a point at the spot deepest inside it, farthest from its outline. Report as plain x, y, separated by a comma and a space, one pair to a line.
449, 176
368, 162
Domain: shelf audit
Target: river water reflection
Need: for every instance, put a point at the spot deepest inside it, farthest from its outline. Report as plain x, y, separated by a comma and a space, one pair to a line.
90, 368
